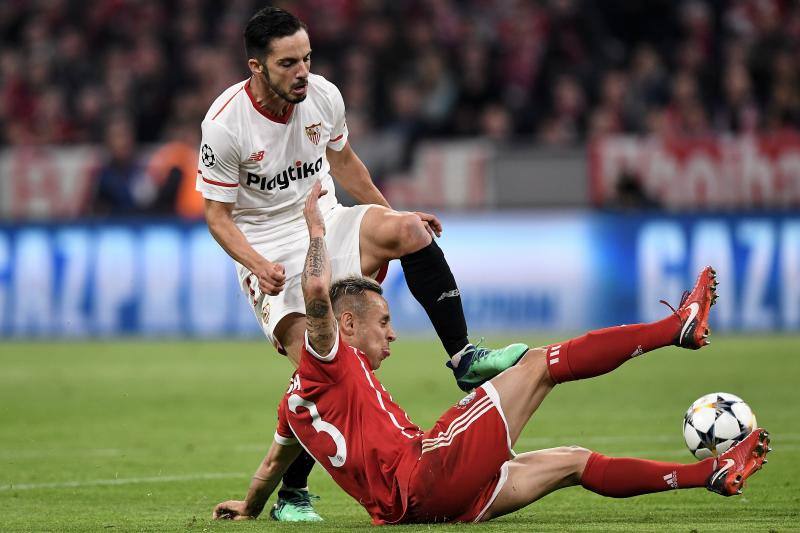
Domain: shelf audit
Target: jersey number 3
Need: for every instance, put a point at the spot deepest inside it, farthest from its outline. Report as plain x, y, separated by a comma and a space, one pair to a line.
321, 426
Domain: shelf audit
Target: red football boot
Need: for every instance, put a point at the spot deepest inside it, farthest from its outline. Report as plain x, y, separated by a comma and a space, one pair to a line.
693, 311
741, 461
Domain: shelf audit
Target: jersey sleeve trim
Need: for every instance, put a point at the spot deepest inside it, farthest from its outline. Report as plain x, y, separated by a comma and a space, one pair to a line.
326, 358
217, 183
338, 143
285, 441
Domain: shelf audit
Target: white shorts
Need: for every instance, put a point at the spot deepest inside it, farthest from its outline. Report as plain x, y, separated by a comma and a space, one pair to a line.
342, 230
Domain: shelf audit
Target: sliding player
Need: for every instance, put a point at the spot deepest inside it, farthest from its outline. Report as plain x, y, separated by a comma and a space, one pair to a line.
460, 470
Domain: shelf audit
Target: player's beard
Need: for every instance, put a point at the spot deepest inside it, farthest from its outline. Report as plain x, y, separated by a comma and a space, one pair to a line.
283, 94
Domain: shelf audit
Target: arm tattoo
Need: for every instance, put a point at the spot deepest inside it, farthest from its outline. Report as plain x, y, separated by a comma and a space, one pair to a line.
319, 324
317, 308
319, 318
316, 260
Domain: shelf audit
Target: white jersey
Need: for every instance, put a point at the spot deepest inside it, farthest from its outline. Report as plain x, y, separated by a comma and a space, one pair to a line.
266, 165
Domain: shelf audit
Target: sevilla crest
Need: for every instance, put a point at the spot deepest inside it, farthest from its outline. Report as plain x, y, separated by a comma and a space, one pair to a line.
313, 132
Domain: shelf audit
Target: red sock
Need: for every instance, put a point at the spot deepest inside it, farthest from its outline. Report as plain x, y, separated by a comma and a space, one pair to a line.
601, 351
620, 477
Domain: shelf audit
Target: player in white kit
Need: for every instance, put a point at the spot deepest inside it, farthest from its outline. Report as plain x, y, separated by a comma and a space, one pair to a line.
261, 152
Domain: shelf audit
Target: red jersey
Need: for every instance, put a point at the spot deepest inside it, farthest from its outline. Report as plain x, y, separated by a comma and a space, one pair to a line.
348, 422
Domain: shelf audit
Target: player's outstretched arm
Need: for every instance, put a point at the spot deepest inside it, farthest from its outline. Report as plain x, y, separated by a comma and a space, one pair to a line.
316, 279
264, 481
270, 275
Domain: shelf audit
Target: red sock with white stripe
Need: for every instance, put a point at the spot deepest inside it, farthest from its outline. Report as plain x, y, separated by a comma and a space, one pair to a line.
601, 351
621, 477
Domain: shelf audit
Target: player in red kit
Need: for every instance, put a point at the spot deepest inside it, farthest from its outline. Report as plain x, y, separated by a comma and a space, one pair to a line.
463, 469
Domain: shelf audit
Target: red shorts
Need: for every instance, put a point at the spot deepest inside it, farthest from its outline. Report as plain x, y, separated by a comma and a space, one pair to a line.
461, 466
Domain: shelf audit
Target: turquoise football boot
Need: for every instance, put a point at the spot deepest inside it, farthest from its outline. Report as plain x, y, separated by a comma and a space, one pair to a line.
294, 505
475, 365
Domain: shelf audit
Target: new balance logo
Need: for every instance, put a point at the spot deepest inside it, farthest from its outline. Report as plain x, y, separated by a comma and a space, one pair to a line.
448, 294
672, 479
256, 156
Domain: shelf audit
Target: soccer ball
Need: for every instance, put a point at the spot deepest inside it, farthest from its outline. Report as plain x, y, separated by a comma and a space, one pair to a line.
715, 422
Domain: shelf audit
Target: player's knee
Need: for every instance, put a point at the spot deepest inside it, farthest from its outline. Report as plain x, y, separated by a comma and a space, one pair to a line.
411, 233
534, 365
577, 456
533, 357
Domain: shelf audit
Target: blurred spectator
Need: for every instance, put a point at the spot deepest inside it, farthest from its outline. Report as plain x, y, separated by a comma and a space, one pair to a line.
609, 116
630, 194
783, 109
405, 123
738, 112
567, 122
497, 125
475, 87
173, 170
685, 113
647, 86
123, 188
437, 87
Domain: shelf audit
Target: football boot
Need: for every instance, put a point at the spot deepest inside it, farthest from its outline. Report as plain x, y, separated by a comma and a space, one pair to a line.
294, 505
475, 365
694, 309
741, 461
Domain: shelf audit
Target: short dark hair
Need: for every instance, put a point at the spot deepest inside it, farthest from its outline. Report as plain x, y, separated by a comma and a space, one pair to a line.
268, 24
347, 294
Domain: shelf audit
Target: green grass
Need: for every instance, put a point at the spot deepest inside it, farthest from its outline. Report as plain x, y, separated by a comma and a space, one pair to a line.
181, 426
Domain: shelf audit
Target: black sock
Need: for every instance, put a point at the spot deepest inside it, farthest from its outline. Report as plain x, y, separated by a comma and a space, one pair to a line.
430, 281
296, 476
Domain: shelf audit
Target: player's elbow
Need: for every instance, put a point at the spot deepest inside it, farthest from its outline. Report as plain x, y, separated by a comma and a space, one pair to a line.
273, 469
315, 288
214, 224
216, 214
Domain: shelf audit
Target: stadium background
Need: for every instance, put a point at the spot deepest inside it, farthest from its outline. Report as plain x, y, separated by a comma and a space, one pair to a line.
586, 158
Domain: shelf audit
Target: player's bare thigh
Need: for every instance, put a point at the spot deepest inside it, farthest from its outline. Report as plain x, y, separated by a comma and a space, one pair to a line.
386, 234
290, 332
533, 475
522, 388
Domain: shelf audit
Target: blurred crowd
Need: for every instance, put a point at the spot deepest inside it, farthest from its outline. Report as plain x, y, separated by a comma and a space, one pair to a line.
126, 73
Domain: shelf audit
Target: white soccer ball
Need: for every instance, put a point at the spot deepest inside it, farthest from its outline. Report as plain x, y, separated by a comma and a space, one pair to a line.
715, 422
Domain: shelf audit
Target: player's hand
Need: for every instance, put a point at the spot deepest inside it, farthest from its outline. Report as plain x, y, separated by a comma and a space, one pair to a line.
231, 510
311, 211
431, 222
271, 277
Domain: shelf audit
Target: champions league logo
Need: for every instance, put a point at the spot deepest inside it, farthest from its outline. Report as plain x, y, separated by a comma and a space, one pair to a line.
312, 132
207, 156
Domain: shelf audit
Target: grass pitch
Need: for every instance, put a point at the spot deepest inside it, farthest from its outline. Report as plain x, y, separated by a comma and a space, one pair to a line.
140, 436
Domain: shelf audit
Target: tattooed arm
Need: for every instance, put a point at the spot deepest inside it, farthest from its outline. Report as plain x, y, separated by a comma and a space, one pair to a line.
316, 280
